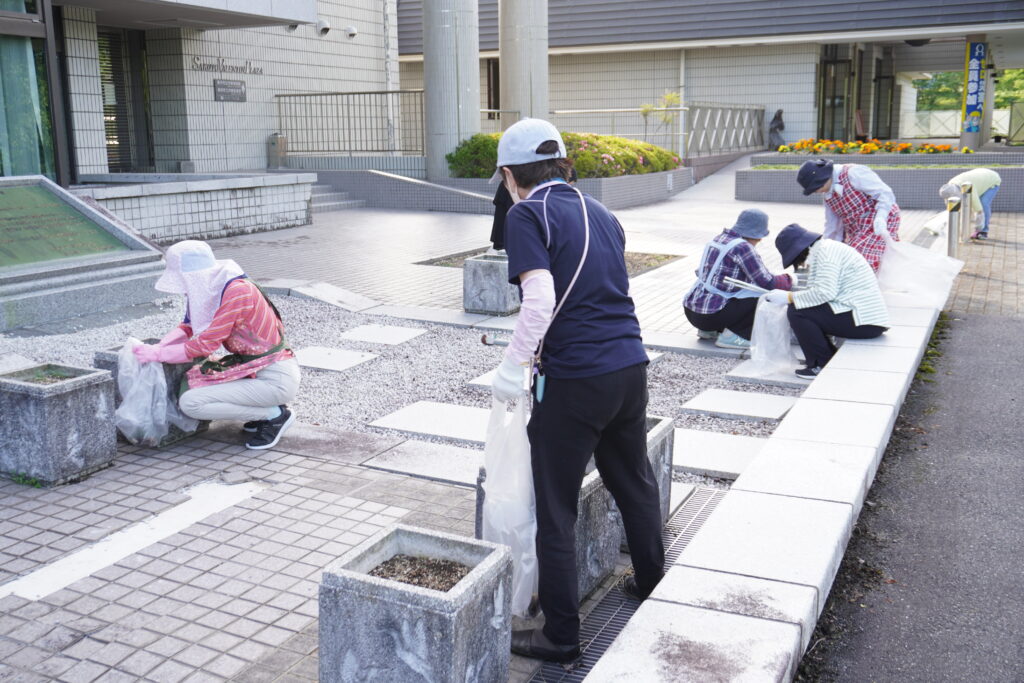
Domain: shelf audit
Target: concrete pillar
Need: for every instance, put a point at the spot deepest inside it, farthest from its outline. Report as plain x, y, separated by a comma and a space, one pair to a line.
451, 79
970, 139
989, 111
523, 58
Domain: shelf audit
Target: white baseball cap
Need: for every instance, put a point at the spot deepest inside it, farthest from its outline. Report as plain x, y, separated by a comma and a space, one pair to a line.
518, 144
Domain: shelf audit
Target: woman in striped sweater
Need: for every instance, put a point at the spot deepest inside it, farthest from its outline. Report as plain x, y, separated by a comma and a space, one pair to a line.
841, 299
223, 307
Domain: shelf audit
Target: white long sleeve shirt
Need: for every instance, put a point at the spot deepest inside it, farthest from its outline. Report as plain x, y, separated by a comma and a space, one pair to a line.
867, 181
840, 277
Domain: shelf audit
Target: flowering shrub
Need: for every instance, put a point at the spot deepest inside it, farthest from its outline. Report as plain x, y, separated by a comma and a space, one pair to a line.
828, 147
593, 155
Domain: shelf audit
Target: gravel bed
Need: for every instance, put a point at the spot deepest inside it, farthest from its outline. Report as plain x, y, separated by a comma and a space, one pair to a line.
435, 366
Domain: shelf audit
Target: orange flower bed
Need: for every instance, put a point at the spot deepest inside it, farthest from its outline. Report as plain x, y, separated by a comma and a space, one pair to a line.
872, 146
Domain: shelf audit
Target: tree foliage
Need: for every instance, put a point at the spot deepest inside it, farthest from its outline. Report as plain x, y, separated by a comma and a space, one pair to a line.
944, 90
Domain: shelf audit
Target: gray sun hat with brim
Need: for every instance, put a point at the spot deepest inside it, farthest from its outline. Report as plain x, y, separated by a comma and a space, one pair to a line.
792, 240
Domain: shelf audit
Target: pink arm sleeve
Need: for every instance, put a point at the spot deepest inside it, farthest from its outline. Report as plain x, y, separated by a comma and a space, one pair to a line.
534, 316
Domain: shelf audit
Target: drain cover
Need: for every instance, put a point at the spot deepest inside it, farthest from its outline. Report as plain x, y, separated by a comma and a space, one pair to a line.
609, 617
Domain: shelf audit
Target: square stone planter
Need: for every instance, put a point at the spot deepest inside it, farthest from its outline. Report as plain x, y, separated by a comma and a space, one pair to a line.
107, 360
58, 431
660, 442
375, 629
485, 287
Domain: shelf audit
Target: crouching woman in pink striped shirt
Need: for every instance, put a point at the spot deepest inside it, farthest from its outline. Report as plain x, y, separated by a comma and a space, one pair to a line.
223, 307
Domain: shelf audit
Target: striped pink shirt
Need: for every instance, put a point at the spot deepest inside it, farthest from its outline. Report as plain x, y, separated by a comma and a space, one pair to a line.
244, 324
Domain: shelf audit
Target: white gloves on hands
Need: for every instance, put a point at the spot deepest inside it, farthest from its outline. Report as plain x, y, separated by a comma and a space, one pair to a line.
779, 297
508, 383
881, 226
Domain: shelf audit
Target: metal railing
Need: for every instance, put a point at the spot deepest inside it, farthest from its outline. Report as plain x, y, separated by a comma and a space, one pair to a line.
714, 129
662, 126
945, 123
352, 122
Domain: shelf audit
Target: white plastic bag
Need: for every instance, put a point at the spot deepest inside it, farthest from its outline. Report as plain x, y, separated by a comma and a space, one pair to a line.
916, 275
770, 350
146, 411
510, 516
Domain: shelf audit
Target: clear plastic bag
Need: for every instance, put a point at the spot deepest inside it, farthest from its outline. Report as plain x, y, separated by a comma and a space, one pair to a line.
917, 276
146, 411
770, 350
510, 516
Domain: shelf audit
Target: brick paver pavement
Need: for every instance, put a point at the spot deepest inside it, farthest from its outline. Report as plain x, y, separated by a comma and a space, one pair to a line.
990, 282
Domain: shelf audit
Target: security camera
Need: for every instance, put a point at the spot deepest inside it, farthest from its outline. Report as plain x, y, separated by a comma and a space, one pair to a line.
292, 28
351, 31
323, 27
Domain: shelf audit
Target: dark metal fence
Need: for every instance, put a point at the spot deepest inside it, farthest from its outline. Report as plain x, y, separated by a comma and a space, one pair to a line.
352, 122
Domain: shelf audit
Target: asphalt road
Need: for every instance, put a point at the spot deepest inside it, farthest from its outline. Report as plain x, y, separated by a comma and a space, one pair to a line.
932, 586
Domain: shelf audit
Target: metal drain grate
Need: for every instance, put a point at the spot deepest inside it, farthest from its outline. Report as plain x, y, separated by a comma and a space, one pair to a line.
609, 617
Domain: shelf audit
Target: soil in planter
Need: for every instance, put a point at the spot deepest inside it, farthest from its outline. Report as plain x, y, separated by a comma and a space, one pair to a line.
638, 263
425, 572
47, 374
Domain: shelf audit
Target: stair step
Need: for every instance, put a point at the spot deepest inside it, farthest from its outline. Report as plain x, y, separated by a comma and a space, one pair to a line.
323, 189
338, 206
330, 197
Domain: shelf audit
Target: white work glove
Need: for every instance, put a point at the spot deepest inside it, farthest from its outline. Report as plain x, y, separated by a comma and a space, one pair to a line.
881, 226
508, 383
779, 297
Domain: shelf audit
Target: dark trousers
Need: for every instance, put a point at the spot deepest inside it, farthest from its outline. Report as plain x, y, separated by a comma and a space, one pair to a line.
737, 315
813, 325
604, 416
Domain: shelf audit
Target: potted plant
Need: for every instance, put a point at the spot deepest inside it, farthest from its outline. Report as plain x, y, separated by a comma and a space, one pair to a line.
376, 628
58, 423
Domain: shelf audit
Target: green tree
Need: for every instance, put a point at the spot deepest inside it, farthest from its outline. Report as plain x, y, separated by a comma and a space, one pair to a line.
944, 90
1010, 87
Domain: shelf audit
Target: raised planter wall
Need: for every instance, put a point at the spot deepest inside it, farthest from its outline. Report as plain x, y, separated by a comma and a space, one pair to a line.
374, 629
885, 159
168, 209
915, 188
60, 432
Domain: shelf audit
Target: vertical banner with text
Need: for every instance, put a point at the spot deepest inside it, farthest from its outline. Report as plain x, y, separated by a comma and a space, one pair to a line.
974, 87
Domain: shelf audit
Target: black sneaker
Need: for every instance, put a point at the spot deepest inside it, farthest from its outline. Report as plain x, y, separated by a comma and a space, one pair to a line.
270, 432
808, 372
253, 426
632, 590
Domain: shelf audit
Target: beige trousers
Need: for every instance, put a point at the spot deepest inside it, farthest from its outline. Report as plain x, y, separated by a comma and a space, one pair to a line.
244, 399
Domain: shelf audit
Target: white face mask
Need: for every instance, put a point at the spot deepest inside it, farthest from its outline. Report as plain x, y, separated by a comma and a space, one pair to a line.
510, 185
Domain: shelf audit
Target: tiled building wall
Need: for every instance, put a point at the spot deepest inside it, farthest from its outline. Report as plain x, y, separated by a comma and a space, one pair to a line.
772, 76
85, 97
227, 136
165, 63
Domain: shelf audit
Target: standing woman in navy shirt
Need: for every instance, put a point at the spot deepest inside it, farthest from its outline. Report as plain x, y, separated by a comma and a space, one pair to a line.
578, 327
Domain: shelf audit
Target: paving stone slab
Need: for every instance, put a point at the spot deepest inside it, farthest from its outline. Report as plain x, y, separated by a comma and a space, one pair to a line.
282, 286
839, 422
499, 322
742, 595
431, 461
714, 454
334, 295
740, 405
688, 343
744, 374
876, 358
430, 315
898, 336
666, 642
11, 362
314, 441
679, 494
335, 360
780, 538
484, 380
842, 474
906, 316
459, 423
383, 334
861, 386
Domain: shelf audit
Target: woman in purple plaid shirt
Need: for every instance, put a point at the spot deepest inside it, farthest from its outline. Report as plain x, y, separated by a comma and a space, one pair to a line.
722, 311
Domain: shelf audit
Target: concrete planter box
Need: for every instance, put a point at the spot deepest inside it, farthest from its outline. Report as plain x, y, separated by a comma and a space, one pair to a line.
59, 432
374, 629
485, 287
915, 188
968, 160
107, 360
599, 532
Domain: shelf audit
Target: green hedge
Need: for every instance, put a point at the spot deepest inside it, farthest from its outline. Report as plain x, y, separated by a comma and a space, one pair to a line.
594, 156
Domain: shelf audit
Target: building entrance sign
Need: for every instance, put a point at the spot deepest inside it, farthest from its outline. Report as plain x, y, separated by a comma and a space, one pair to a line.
36, 225
228, 91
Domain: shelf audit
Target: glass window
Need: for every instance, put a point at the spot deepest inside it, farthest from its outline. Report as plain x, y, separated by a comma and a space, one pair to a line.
19, 6
26, 138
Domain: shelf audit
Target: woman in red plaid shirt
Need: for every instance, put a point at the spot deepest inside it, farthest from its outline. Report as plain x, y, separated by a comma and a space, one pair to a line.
859, 208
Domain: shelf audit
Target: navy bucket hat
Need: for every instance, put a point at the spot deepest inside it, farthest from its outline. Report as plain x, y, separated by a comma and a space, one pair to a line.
792, 240
813, 174
752, 223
